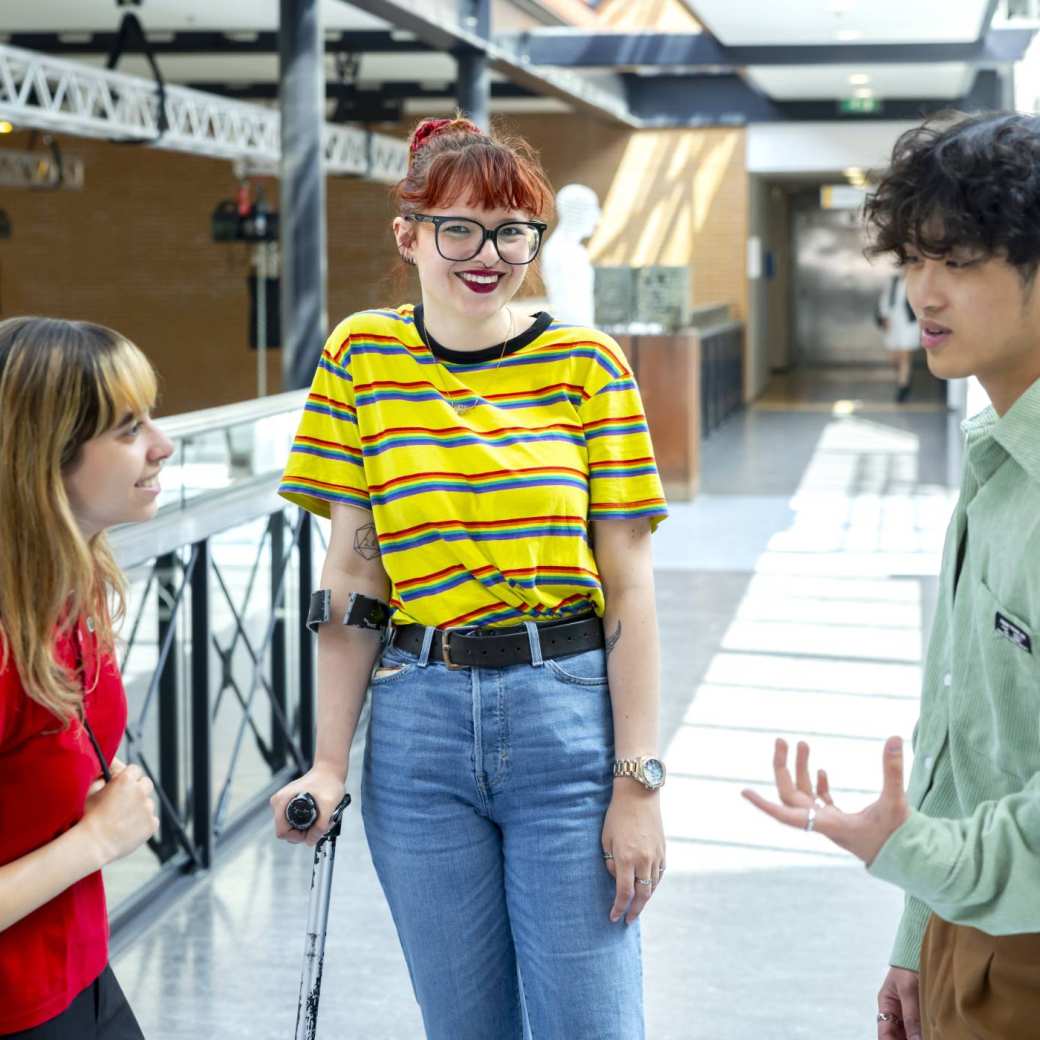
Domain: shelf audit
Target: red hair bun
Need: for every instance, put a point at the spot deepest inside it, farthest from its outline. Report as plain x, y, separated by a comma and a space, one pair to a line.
431, 127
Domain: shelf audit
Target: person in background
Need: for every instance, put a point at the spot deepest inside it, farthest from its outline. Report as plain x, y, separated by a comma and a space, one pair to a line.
80, 454
490, 478
897, 321
960, 208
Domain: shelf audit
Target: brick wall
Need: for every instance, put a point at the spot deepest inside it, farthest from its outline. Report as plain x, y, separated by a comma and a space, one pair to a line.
133, 250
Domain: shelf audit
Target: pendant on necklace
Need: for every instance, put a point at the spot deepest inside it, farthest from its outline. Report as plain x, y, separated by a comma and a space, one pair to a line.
461, 407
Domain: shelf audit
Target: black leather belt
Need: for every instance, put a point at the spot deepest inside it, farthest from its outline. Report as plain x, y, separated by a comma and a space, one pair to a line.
500, 647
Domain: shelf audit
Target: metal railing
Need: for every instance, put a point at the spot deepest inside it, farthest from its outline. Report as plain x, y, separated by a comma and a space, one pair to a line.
722, 374
219, 675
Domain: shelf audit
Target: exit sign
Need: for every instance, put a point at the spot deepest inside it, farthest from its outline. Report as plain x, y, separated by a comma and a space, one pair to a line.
858, 106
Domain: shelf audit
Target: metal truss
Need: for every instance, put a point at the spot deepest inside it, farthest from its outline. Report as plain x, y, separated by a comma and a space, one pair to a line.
39, 170
53, 94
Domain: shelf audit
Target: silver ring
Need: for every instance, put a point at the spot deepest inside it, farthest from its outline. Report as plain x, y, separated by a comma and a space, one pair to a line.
810, 823
607, 856
887, 1016
643, 881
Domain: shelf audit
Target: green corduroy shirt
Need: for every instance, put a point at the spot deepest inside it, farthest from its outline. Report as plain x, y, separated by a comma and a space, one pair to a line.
970, 850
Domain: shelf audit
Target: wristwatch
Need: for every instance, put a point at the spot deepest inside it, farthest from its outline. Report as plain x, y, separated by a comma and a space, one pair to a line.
650, 772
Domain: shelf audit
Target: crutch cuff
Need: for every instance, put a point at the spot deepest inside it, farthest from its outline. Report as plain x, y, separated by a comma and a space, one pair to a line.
320, 610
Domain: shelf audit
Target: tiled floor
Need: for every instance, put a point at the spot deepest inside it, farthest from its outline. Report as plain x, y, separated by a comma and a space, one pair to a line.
794, 594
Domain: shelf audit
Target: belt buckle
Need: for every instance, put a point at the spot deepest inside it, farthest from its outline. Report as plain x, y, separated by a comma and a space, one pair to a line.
446, 653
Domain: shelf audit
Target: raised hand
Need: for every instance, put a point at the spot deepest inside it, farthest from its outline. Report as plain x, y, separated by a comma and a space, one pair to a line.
812, 808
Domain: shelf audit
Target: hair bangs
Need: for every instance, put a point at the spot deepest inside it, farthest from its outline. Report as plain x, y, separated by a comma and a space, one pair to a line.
486, 175
126, 384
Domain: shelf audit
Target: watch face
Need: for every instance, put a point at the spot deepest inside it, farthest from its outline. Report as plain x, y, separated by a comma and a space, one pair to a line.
653, 770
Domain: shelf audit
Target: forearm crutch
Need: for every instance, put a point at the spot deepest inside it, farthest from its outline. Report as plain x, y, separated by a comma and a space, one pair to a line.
301, 812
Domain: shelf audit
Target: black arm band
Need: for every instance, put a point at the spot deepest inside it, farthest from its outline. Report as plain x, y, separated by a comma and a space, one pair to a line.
366, 612
362, 611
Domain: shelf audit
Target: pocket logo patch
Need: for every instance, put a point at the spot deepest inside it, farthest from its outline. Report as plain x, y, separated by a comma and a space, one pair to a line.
1010, 631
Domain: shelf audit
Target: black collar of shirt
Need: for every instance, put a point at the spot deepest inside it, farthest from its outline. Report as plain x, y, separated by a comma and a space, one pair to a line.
542, 320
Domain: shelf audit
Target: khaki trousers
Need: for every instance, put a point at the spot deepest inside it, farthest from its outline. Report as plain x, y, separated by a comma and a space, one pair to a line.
976, 986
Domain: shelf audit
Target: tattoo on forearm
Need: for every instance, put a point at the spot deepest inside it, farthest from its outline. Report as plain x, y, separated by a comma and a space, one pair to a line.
366, 542
612, 640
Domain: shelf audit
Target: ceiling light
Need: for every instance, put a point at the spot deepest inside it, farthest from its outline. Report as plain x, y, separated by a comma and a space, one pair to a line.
859, 79
848, 35
840, 7
6, 127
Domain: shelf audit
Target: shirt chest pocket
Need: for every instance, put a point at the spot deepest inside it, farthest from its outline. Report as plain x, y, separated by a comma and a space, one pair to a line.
996, 702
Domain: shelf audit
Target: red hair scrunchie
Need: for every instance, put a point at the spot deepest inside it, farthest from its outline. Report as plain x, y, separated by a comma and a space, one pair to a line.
431, 127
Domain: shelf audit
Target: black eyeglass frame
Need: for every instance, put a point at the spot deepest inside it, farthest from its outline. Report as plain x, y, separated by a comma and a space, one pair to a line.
486, 233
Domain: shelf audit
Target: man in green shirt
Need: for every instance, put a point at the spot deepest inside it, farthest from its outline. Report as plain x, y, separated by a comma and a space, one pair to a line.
960, 208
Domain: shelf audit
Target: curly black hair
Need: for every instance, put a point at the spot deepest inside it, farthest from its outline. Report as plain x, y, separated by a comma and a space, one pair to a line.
962, 182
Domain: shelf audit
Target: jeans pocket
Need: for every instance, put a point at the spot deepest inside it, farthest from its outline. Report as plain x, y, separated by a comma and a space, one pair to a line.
585, 669
392, 664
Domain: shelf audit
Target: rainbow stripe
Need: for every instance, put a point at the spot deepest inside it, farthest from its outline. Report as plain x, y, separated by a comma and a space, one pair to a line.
455, 530
477, 483
458, 437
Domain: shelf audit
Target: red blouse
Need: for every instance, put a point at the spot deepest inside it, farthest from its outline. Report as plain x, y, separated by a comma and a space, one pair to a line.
53, 954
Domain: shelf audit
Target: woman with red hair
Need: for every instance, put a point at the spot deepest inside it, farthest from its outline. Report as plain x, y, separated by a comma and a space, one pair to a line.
489, 475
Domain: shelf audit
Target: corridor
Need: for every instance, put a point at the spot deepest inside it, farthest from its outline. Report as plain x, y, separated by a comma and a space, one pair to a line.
794, 593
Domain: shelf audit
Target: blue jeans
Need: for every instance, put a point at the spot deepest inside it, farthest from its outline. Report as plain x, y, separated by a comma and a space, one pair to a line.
483, 798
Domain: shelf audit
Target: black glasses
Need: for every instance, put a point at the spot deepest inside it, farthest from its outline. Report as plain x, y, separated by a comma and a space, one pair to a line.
459, 238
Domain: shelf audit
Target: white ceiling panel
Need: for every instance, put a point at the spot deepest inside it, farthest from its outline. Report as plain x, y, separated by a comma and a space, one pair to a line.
827, 82
764, 22
168, 15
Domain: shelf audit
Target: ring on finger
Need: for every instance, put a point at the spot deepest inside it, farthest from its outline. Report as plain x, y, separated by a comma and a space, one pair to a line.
888, 1016
810, 821
607, 857
644, 881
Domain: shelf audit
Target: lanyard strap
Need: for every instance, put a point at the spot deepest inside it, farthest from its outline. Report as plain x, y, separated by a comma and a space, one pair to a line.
82, 668
105, 771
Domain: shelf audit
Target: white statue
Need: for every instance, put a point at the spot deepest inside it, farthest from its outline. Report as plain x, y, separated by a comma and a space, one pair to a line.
566, 267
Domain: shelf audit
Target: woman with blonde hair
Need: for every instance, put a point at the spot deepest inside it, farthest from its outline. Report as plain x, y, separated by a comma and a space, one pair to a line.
79, 454
490, 479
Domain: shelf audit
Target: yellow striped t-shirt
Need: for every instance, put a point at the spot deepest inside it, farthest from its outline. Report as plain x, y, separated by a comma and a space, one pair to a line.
482, 511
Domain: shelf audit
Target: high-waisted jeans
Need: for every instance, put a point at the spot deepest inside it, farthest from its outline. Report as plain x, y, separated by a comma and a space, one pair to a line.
483, 797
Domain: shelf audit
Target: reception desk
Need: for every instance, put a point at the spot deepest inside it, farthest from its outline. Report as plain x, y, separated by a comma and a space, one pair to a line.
691, 381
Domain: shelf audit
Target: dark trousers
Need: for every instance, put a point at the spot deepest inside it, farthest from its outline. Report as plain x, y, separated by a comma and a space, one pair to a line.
100, 1012
976, 986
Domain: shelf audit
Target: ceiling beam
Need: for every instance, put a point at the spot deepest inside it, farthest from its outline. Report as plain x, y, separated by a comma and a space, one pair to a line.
728, 100
578, 49
396, 89
360, 104
603, 97
987, 17
367, 41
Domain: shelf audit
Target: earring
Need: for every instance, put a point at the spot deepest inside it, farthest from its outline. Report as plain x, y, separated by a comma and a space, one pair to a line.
408, 260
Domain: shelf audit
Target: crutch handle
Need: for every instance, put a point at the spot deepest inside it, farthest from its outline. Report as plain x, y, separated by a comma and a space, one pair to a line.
302, 811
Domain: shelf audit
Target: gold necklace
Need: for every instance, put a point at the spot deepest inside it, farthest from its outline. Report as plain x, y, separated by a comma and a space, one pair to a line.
461, 407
